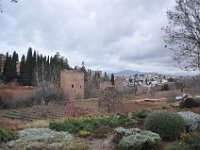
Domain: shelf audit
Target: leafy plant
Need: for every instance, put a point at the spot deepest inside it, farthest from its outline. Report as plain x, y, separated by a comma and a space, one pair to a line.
135, 139
184, 137
88, 124
194, 140
169, 125
190, 102
143, 113
84, 133
102, 132
7, 134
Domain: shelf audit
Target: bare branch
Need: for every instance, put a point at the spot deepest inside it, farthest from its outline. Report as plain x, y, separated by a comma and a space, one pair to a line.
183, 33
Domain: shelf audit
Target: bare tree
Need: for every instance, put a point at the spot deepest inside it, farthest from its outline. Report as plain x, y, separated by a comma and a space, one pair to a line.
13, 1
110, 100
183, 34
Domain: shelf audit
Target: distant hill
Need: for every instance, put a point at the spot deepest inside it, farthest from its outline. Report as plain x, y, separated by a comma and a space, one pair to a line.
126, 73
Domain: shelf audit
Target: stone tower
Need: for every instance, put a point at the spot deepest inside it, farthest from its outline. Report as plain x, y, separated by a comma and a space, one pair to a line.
72, 82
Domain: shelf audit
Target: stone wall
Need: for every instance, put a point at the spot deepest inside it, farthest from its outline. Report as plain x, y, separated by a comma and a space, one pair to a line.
72, 82
119, 84
7, 92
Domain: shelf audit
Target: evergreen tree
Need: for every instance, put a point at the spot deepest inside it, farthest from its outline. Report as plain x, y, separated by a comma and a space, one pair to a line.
15, 60
22, 67
28, 69
10, 70
6, 67
36, 68
112, 79
106, 77
83, 66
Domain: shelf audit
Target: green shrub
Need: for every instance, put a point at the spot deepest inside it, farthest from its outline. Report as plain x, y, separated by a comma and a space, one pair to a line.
89, 125
56, 126
114, 121
6, 135
135, 139
143, 113
168, 125
84, 134
194, 140
102, 132
190, 102
177, 146
123, 118
165, 87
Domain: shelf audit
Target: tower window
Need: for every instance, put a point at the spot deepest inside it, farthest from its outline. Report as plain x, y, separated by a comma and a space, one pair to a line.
72, 86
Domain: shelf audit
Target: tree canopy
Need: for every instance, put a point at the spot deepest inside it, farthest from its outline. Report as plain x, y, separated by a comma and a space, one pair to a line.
183, 34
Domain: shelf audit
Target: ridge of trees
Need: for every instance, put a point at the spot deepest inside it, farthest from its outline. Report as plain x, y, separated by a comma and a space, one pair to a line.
34, 68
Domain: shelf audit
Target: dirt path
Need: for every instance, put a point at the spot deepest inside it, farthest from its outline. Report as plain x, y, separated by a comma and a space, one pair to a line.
101, 144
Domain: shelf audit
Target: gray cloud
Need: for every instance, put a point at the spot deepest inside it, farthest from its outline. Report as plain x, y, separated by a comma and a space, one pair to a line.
107, 34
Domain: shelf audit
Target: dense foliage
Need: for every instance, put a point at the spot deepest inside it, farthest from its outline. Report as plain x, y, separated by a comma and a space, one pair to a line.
34, 68
6, 135
135, 139
168, 125
194, 140
189, 102
10, 67
142, 114
89, 124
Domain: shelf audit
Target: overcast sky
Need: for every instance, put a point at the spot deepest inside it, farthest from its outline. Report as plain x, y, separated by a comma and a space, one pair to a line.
108, 35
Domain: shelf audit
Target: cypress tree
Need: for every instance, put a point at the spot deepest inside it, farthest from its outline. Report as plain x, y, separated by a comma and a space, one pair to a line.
112, 79
10, 70
6, 67
21, 75
14, 65
28, 69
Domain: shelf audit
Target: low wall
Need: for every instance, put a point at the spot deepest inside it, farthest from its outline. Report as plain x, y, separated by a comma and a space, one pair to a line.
7, 92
